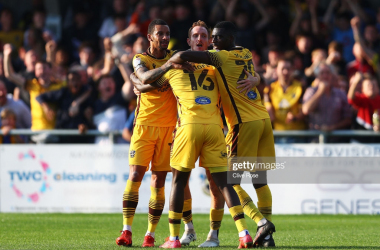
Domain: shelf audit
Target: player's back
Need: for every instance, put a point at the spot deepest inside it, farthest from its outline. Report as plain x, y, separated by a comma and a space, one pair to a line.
158, 107
237, 107
196, 93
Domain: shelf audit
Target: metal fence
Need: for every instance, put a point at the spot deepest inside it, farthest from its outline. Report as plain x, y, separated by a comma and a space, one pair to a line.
321, 135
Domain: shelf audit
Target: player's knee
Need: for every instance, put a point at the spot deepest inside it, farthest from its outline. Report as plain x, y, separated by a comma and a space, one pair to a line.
158, 180
136, 176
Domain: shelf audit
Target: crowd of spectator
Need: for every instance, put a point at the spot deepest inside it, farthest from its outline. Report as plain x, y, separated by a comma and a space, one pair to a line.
319, 64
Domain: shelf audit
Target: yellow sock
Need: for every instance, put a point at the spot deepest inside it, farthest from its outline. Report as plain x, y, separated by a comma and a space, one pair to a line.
238, 215
156, 205
174, 223
130, 200
216, 216
249, 207
264, 203
187, 216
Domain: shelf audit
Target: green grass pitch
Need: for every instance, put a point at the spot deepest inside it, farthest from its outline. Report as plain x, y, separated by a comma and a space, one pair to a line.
99, 231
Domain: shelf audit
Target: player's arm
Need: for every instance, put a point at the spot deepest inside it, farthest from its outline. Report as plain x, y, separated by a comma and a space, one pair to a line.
147, 76
143, 88
191, 56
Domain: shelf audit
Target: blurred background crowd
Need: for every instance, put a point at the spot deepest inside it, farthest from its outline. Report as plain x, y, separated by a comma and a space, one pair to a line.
66, 64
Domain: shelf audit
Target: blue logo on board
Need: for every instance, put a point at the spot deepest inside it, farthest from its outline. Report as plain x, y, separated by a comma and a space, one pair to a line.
252, 95
203, 100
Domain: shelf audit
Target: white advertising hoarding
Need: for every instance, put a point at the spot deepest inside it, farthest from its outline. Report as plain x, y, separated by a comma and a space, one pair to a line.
91, 178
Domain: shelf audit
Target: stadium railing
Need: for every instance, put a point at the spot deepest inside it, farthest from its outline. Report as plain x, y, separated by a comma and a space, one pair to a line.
322, 136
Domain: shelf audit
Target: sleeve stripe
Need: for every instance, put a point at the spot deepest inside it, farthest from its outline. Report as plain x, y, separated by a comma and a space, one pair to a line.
214, 59
230, 95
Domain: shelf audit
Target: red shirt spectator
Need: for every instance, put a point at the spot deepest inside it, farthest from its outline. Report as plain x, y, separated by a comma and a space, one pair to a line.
359, 64
366, 102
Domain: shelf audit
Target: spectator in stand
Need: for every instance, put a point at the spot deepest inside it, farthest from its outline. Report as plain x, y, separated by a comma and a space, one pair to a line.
326, 106
108, 27
304, 46
39, 18
273, 41
8, 84
20, 110
245, 34
128, 127
371, 37
168, 12
179, 35
71, 103
360, 64
270, 74
138, 17
342, 33
59, 58
366, 101
36, 41
305, 22
82, 30
31, 58
41, 84
7, 33
256, 59
335, 58
298, 68
317, 56
87, 54
201, 10
110, 110
371, 56
342, 83
283, 99
8, 122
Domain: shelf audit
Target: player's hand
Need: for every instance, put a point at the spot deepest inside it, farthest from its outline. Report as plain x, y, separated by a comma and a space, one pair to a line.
7, 49
376, 128
136, 91
247, 84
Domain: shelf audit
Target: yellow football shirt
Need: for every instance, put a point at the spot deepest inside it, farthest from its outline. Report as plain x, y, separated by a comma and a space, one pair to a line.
39, 120
284, 102
197, 94
14, 37
238, 107
156, 108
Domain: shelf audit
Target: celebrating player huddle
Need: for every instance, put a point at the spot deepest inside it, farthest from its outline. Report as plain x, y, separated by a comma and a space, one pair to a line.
212, 80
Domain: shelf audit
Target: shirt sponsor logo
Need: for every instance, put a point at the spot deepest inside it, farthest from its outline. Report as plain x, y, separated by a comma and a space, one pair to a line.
252, 95
202, 100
